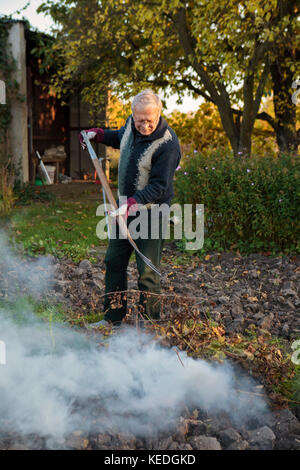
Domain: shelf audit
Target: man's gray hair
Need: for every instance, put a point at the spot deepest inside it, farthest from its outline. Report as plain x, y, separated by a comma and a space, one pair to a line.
145, 98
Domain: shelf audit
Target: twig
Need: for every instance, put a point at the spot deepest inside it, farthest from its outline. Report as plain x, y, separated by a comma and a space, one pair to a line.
135, 291
178, 357
250, 393
233, 274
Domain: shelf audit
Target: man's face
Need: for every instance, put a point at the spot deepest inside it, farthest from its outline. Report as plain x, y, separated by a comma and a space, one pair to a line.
146, 119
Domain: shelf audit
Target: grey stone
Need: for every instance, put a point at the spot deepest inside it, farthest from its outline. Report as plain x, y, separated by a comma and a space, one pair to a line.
288, 443
259, 316
204, 443
228, 436
290, 304
79, 272
211, 291
236, 326
265, 323
252, 307
85, 265
285, 422
224, 299
287, 285
288, 293
237, 310
218, 423
262, 438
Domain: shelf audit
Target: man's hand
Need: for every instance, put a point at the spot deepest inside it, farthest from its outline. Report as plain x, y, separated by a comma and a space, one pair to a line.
95, 134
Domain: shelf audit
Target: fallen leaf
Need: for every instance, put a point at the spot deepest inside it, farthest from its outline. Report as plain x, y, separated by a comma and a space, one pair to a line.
219, 331
249, 355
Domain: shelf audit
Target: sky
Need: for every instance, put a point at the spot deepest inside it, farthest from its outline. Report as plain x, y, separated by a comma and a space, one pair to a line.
44, 23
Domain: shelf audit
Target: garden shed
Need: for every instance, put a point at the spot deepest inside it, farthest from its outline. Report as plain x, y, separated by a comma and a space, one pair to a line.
40, 121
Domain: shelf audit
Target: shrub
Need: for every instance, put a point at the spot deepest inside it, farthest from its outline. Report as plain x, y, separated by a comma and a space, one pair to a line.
249, 205
26, 193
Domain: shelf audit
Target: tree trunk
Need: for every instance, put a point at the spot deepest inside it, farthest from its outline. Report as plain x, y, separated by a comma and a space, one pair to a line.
284, 108
282, 78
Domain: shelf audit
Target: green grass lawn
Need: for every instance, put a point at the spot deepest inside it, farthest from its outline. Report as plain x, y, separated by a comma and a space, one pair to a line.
60, 227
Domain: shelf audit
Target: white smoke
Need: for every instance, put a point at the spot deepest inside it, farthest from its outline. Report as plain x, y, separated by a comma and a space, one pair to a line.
136, 383
57, 380
22, 276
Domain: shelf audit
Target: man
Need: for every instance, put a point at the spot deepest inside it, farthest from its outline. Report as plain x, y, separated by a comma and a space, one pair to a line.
149, 155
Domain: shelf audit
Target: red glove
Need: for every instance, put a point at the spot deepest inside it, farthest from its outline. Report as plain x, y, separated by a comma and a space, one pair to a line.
96, 134
130, 207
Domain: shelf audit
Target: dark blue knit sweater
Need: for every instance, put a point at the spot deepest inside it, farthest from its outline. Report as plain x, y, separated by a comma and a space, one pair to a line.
147, 163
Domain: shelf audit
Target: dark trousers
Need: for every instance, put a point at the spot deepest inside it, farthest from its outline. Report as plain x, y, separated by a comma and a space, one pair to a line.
116, 261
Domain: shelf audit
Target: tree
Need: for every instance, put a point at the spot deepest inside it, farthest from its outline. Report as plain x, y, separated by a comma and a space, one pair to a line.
282, 72
202, 131
222, 51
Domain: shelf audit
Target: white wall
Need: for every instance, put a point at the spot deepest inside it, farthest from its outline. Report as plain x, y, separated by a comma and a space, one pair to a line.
18, 131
